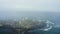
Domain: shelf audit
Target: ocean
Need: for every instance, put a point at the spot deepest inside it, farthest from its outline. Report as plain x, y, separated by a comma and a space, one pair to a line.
54, 17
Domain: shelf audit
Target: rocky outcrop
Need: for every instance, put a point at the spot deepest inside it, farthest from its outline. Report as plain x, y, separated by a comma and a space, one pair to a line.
27, 25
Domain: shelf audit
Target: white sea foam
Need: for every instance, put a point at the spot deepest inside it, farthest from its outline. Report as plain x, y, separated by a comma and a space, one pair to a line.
48, 27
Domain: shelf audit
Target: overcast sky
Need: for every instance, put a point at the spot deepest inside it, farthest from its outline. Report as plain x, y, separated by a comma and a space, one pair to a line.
33, 5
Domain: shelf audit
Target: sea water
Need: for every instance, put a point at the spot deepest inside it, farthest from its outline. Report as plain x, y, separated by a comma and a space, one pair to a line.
54, 17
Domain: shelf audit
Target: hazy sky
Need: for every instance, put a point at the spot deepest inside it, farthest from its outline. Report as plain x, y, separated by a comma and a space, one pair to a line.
33, 5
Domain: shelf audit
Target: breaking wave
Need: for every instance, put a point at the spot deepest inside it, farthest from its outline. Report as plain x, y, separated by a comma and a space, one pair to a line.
48, 27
